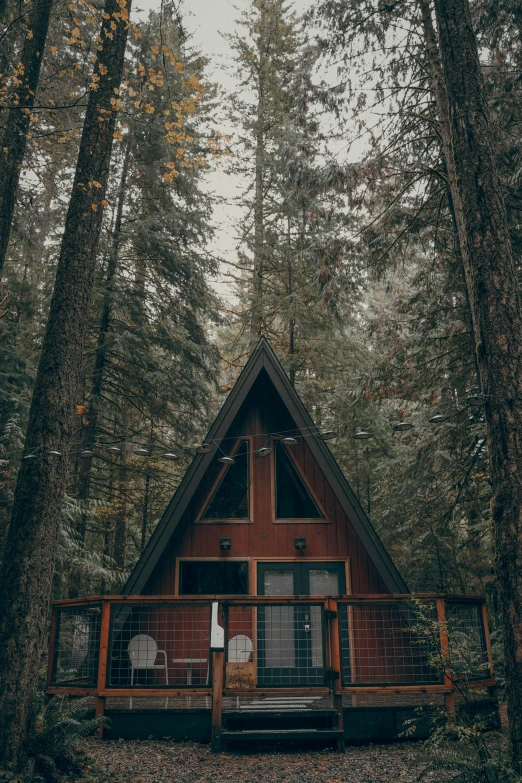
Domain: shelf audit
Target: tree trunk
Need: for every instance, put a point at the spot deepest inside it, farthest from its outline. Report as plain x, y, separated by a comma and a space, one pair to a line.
14, 140
26, 577
496, 310
89, 431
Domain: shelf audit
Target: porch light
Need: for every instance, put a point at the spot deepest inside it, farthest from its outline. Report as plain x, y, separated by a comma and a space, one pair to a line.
288, 441
141, 451
87, 453
225, 543
227, 460
170, 455
204, 448
438, 418
54, 453
300, 543
328, 435
362, 434
113, 449
403, 426
263, 452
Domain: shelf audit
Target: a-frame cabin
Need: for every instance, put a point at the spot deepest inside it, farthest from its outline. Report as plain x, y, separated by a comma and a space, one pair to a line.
261, 504
264, 605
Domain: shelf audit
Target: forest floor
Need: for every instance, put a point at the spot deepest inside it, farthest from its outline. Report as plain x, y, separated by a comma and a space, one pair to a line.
189, 762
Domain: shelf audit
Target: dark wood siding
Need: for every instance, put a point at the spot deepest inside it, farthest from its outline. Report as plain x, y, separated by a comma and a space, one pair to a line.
264, 413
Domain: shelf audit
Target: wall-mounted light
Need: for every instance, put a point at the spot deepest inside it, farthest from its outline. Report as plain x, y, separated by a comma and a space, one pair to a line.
225, 543
300, 543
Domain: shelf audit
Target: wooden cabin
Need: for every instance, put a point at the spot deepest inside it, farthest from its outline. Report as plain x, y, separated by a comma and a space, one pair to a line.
265, 606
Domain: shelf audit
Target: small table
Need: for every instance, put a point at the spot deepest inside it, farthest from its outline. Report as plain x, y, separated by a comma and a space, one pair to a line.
189, 662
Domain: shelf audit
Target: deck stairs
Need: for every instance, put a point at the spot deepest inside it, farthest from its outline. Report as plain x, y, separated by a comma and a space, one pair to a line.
272, 721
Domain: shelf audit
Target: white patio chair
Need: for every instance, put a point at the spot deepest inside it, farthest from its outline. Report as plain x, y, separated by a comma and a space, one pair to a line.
143, 652
240, 649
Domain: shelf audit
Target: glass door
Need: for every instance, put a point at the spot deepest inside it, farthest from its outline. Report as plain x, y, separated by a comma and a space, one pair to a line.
291, 638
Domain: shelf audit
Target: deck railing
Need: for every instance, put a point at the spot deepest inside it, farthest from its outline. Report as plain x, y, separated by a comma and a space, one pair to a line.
156, 645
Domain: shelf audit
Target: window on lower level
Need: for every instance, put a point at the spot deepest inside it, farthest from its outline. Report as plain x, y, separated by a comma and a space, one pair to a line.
211, 577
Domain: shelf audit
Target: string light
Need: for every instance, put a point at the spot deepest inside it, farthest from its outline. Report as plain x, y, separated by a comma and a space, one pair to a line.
264, 451
141, 451
288, 441
169, 455
205, 448
87, 453
403, 426
227, 460
54, 453
328, 435
438, 418
362, 434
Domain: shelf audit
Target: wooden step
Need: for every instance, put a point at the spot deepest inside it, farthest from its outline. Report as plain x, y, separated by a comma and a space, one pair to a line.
279, 712
286, 734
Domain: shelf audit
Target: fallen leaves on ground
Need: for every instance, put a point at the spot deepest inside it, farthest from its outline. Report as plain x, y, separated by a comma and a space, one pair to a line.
150, 761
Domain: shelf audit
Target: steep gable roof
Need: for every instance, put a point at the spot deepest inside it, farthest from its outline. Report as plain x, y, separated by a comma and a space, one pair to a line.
264, 358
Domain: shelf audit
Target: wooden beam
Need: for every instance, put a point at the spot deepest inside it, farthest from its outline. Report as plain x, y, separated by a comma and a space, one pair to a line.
218, 671
337, 670
444, 646
102, 660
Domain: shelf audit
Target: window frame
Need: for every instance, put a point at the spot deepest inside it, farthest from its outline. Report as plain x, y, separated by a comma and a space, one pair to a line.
180, 560
249, 520
297, 521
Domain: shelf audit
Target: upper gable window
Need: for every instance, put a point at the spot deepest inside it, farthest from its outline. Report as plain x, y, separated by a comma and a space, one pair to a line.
292, 497
231, 496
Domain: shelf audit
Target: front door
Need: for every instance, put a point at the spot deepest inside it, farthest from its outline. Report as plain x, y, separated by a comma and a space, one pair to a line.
291, 638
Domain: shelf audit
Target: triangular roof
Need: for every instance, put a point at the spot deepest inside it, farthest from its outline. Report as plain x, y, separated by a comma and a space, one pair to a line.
264, 358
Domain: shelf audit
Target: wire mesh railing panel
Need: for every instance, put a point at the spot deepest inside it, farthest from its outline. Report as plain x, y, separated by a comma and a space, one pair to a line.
159, 646
467, 643
77, 646
388, 643
275, 646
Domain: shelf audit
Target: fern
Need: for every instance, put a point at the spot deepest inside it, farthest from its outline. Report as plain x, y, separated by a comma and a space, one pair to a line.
56, 732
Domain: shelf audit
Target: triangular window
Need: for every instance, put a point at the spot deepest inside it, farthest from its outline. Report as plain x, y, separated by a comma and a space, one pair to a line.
231, 496
293, 498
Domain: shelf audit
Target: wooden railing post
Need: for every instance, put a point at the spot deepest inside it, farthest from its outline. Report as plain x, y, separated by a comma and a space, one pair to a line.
336, 671
492, 689
218, 677
52, 646
444, 646
102, 660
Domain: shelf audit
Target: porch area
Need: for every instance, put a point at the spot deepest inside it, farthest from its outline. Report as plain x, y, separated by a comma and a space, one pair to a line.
232, 669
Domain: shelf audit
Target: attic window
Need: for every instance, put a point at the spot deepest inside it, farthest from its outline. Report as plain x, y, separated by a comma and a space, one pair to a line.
293, 498
231, 496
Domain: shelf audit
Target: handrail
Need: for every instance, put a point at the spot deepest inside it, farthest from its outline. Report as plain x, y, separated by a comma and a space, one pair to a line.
253, 599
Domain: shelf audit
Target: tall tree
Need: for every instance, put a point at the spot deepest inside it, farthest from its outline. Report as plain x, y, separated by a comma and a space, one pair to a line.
22, 98
491, 279
27, 571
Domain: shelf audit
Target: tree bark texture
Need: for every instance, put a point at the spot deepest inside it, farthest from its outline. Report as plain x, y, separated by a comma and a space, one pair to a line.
497, 319
26, 577
93, 411
14, 140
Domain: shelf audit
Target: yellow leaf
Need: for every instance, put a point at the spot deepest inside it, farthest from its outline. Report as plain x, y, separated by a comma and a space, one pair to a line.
94, 207
53, 50
96, 184
105, 202
29, 34
118, 135
149, 108
103, 69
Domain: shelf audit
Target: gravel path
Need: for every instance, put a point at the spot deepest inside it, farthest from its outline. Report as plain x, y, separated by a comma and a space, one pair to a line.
188, 762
